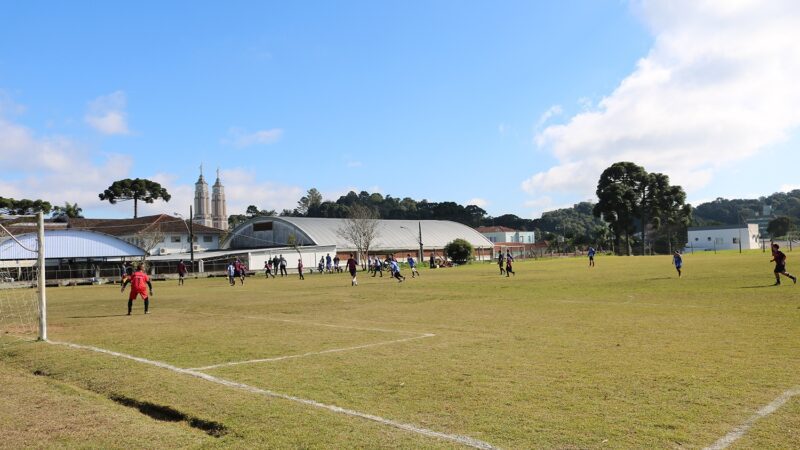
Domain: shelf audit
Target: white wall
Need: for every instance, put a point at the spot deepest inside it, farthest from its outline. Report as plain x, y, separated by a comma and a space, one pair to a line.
168, 246
526, 237
724, 238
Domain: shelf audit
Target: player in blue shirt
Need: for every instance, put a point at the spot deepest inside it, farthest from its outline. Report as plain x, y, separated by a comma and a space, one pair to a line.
591, 253
677, 261
395, 269
412, 265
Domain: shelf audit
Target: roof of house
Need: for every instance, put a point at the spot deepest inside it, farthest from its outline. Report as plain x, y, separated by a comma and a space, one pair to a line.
124, 227
495, 229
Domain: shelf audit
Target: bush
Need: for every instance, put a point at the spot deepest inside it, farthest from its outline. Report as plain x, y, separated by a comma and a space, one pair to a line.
459, 251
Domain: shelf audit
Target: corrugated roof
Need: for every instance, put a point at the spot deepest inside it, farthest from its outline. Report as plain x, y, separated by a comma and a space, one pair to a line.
392, 234
69, 244
125, 227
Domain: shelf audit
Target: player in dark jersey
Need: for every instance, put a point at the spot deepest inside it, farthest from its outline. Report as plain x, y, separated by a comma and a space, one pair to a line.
181, 272
138, 281
351, 266
779, 258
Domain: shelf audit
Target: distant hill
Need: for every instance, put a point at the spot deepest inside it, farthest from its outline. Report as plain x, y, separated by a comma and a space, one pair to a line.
731, 212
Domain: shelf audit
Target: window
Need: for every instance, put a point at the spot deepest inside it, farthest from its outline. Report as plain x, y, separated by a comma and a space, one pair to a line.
175, 239
262, 226
709, 239
735, 240
696, 239
208, 238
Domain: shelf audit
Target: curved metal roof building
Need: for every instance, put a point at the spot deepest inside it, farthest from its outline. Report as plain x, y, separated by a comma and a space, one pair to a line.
69, 244
271, 231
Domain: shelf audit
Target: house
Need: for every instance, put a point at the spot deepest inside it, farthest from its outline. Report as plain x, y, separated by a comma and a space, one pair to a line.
158, 235
726, 237
499, 234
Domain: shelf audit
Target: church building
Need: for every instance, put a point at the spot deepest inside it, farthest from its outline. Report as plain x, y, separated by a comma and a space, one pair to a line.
210, 212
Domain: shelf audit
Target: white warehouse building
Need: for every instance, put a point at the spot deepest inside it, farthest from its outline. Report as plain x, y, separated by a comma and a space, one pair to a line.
724, 237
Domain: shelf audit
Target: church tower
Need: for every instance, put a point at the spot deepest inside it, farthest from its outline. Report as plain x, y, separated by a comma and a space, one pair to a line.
219, 213
202, 204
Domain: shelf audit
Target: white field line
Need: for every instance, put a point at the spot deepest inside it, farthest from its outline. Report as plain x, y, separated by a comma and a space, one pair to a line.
630, 303
304, 322
739, 431
464, 440
333, 350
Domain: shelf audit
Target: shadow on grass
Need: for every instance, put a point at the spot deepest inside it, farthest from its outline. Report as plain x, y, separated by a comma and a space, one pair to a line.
657, 279
760, 286
96, 317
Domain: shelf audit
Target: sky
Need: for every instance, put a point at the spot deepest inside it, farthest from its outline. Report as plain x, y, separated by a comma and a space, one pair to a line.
514, 106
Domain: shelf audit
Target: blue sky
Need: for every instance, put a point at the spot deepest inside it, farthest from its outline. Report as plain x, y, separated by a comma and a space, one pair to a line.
516, 106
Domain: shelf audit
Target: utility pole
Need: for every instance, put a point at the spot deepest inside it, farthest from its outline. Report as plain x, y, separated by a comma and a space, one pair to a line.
191, 237
421, 256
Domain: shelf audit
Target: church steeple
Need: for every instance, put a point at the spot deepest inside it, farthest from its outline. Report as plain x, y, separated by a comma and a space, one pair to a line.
202, 204
219, 213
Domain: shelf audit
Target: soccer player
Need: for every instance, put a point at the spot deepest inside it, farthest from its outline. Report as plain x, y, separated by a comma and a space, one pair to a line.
284, 273
500, 262
336, 267
509, 262
351, 266
591, 253
231, 271
138, 281
377, 268
395, 270
300, 268
328, 266
779, 258
677, 261
413, 265
181, 272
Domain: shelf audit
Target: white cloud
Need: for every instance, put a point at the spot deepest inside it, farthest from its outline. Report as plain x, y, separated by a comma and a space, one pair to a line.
240, 138
789, 187
551, 112
107, 114
479, 202
55, 168
718, 86
503, 129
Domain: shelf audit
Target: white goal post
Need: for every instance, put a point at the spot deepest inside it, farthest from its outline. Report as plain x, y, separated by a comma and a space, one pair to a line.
23, 310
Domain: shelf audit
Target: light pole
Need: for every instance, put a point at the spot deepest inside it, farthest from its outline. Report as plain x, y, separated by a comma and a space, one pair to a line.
190, 229
419, 224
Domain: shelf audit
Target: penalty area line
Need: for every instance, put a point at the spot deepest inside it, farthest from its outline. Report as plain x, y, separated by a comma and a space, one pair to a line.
460, 439
303, 355
740, 430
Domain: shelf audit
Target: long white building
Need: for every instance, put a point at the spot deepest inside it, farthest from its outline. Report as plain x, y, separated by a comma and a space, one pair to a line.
724, 237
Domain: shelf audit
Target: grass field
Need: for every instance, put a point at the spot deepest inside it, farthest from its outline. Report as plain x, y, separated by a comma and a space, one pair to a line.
624, 355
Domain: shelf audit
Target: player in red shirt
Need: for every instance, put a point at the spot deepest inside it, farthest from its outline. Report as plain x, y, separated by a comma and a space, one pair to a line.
779, 258
351, 266
138, 281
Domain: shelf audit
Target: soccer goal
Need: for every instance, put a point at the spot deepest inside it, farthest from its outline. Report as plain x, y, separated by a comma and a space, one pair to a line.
23, 311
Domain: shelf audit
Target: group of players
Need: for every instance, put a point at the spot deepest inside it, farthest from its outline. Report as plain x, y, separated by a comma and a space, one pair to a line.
141, 285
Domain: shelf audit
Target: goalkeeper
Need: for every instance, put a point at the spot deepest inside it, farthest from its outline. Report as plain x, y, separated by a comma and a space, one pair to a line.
138, 281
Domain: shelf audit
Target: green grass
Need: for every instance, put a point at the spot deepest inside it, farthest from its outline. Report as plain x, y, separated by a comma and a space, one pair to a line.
625, 355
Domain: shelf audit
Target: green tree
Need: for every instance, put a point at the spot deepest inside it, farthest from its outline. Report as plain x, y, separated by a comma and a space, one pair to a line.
24, 206
136, 190
780, 226
68, 211
309, 203
459, 250
620, 191
236, 219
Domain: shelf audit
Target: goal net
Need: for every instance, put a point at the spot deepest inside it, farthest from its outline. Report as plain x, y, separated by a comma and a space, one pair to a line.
22, 293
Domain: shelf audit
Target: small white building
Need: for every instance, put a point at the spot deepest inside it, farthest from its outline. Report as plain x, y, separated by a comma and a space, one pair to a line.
500, 234
726, 237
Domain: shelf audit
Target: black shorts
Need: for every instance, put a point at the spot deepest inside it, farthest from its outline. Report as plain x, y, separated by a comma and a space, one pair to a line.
353, 272
780, 268
181, 275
